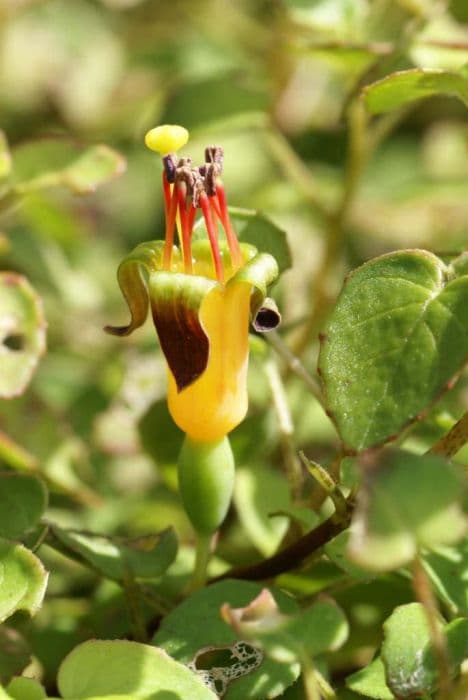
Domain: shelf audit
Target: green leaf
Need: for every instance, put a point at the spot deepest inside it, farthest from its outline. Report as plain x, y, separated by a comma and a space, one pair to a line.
94, 168
195, 627
261, 232
5, 156
144, 557
23, 500
409, 661
407, 502
25, 689
403, 87
370, 681
447, 568
396, 338
120, 667
23, 580
22, 333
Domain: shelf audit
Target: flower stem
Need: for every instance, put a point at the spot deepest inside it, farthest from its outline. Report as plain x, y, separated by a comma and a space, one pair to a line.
286, 429
202, 558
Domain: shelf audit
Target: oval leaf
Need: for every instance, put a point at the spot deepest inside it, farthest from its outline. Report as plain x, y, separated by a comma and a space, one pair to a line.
120, 667
397, 336
402, 87
144, 557
23, 580
196, 627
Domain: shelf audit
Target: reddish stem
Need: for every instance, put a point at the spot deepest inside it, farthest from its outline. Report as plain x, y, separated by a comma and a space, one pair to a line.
210, 227
231, 237
171, 211
184, 225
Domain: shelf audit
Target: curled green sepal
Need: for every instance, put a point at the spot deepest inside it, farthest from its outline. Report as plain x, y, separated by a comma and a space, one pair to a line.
133, 281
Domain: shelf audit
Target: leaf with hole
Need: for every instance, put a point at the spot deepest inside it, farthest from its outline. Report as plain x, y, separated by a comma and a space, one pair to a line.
23, 580
407, 502
406, 86
195, 626
396, 338
23, 500
22, 333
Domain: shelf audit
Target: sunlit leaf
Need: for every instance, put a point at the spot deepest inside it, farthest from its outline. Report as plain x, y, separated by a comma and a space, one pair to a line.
370, 681
395, 339
103, 668
26, 689
23, 580
403, 87
196, 625
22, 333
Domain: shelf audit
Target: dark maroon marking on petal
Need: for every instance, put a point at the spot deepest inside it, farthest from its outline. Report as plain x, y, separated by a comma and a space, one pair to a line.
183, 340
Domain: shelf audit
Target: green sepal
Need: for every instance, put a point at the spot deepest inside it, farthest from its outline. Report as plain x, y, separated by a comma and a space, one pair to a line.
133, 281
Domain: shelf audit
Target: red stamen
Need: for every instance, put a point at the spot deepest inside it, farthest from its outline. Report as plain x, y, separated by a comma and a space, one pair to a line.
185, 227
231, 237
167, 193
171, 211
210, 227
191, 218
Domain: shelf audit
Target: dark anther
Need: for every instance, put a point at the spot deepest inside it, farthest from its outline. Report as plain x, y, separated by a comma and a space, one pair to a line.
215, 154
188, 175
170, 167
211, 173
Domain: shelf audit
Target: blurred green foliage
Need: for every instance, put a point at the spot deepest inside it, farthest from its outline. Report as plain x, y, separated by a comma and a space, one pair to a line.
277, 84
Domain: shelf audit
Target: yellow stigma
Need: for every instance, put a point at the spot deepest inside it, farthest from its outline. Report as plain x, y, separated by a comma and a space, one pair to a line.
167, 138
